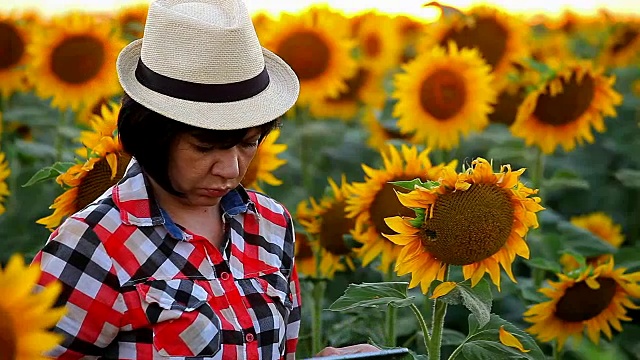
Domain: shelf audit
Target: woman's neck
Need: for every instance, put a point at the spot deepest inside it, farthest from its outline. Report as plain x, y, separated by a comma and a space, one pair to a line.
205, 221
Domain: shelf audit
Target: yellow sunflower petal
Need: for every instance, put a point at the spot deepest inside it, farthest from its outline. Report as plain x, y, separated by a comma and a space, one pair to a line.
506, 338
443, 289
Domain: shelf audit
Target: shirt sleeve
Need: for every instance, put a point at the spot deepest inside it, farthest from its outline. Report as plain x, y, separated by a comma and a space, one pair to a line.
293, 322
75, 256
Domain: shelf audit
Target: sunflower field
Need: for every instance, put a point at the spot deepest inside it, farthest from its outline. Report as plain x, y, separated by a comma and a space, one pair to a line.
466, 188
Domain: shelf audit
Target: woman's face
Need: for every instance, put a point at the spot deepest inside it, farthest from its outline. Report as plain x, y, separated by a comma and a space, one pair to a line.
203, 173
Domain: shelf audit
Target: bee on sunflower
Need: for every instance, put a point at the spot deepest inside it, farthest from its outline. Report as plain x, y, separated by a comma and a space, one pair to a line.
476, 219
593, 300
374, 200
326, 224
105, 164
442, 94
26, 316
562, 110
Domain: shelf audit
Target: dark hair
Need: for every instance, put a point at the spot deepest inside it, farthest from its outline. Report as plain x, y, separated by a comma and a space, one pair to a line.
147, 136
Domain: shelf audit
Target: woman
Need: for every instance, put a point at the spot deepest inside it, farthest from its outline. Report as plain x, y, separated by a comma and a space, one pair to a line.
178, 260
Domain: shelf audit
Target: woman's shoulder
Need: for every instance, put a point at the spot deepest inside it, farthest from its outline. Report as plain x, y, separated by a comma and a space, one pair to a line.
268, 205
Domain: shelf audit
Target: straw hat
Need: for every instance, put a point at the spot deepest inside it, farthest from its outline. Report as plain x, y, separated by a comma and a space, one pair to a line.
200, 63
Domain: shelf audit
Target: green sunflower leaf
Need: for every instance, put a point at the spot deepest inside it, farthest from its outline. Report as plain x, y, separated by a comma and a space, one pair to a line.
49, 172
483, 342
545, 264
477, 299
629, 177
373, 295
419, 219
411, 184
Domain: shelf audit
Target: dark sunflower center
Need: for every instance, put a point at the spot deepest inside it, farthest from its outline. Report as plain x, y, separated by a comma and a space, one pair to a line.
372, 45
78, 59
307, 54
334, 226
354, 84
386, 204
580, 302
489, 36
624, 40
505, 111
443, 94
568, 105
469, 226
395, 134
98, 180
11, 46
304, 249
8, 339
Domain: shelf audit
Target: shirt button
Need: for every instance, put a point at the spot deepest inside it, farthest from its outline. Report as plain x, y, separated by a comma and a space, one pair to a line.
249, 337
224, 276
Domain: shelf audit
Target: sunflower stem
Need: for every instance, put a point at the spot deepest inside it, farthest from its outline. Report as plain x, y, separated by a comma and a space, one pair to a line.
307, 179
423, 326
390, 316
439, 313
537, 178
538, 170
557, 353
58, 141
319, 287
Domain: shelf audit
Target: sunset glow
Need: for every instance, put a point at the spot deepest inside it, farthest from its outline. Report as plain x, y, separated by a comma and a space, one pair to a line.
411, 7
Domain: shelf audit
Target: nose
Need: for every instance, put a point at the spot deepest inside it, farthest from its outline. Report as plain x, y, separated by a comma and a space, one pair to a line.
227, 163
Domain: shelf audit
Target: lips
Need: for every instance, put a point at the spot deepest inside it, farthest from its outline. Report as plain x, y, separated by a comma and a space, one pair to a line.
216, 192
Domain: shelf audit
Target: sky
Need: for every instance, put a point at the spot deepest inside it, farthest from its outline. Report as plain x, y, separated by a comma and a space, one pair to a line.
413, 7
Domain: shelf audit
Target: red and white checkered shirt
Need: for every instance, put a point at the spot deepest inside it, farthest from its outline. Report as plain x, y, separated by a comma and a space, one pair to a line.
138, 286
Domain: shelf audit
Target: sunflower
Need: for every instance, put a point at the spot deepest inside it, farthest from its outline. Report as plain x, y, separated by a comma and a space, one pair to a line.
563, 109
305, 255
4, 174
131, 20
364, 88
26, 316
603, 227
86, 181
410, 29
623, 46
14, 38
552, 49
316, 44
374, 200
265, 162
593, 300
499, 37
380, 134
74, 59
327, 224
476, 219
379, 42
442, 94
506, 107
88, 111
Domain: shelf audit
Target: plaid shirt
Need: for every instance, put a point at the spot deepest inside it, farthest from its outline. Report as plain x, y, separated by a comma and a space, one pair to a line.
138, 286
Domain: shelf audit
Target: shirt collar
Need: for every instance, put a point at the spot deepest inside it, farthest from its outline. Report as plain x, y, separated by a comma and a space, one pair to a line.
133, 195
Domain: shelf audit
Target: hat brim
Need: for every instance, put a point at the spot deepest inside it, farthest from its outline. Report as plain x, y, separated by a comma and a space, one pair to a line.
279, 96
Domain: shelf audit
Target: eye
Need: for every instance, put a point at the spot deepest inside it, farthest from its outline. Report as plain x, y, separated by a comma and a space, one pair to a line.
249, 145
203, 148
